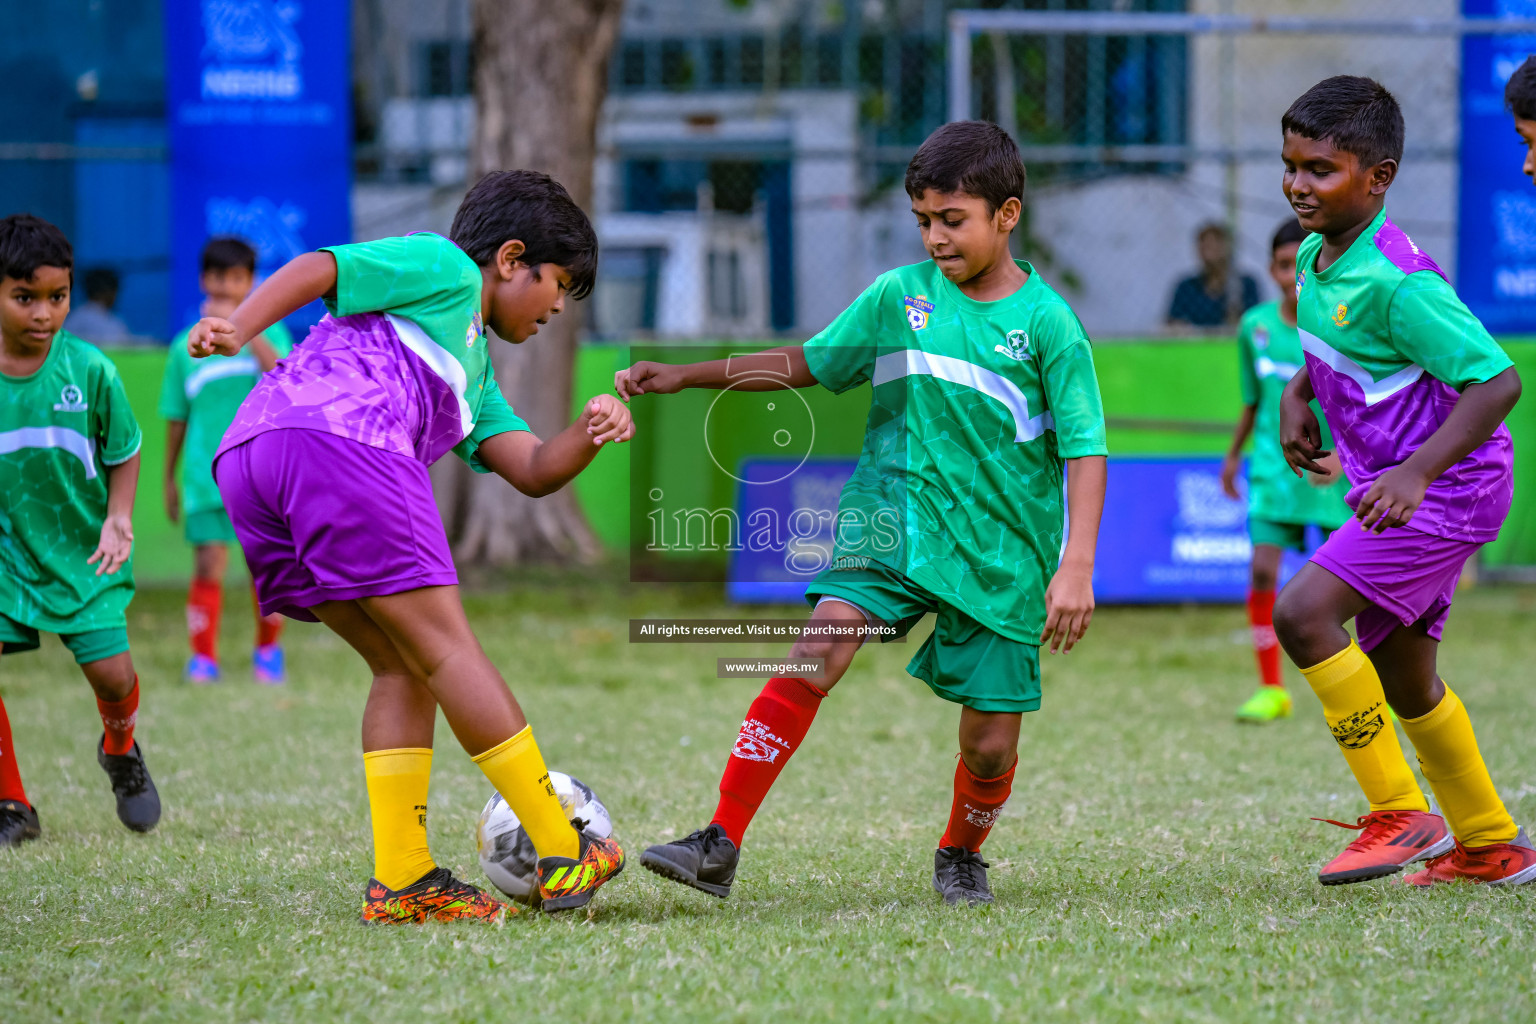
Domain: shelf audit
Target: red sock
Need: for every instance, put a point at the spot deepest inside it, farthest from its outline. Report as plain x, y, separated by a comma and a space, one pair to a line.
268, 627
775, 724
977, 804
1261, 616
10, 771
118, 716
204, 602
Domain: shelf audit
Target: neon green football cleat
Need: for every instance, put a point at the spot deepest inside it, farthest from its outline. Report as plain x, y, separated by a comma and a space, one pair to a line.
1267, 704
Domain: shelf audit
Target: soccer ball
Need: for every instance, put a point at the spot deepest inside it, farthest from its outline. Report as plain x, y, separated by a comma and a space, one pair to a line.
506, 854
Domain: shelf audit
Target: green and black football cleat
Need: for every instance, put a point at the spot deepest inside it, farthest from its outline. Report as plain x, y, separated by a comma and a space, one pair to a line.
18, 823
705, 859
138, 803
565, 884
960, 876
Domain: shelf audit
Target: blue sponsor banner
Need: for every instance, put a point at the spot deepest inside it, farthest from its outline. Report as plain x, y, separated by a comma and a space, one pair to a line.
258, 109
787, 516
1496, 243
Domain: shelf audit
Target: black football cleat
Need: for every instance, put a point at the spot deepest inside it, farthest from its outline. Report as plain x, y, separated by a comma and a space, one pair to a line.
138, 804
705, 859
18, 823
960, 876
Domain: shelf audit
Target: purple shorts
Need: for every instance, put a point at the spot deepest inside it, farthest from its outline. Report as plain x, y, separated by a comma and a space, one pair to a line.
324, 518
1407, 576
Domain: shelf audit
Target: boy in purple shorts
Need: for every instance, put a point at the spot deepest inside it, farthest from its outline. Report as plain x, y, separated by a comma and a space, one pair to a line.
324, 475
1415, 391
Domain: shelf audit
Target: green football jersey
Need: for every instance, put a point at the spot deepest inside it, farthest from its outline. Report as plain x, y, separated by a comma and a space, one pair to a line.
205, 394
975, 405
60, 428
1269, 355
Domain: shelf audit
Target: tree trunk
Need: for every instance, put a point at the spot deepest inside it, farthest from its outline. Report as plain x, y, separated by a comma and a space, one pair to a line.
541, 73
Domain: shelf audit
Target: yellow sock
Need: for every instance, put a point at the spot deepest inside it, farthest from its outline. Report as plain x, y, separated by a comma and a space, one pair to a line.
1356, 709
397, 801
516, 769
1451, 762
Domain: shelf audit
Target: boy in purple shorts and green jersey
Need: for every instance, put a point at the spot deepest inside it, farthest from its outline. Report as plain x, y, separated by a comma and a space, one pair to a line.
324, 474
1415, 391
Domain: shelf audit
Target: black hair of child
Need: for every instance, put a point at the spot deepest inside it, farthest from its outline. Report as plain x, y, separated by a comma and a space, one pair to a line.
227, 252
1288, 233
28, 242
974, 157
1520, 91
1357, 115
100, 283
534, 209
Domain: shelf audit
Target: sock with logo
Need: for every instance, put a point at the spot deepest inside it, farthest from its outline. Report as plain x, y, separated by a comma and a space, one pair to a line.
976, 807
268, 627
1450, 760
1261, 617
397, 803
118, 718
205, 600
516, 768
1356, 710
10, 770
775, 724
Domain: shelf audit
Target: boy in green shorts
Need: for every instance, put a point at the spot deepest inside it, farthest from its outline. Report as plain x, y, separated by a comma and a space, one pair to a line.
984, 388
69, 463
199, 401
1280, 507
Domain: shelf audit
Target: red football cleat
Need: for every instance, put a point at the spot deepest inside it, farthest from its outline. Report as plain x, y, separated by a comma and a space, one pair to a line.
1389, 841
1512, 863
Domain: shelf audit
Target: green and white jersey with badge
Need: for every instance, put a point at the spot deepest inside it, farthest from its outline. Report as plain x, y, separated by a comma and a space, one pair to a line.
1269, 355
976, 404
205, 394
61, 428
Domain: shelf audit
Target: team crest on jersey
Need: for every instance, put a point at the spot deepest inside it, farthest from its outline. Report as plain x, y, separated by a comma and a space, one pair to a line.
1341, 315
71, 399
1016, 347
1301, 279
1261, 337
918, 308
476, 328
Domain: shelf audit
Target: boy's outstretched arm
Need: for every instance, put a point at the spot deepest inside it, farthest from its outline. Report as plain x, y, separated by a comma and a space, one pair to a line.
773, 370
117, 529
296, 284
1069, 598
175, 434
1396, 494
538, 467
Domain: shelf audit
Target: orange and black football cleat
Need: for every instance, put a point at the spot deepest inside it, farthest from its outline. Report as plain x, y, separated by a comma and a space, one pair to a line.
565, 884
436, 896
1512, 863
1389, 841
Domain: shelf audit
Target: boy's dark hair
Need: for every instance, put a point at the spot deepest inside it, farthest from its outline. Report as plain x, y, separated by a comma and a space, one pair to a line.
1520, 91
1357, 115
28, 242
226, 252
100, 283
1214, 227
536, 210
1289, 233
974, 157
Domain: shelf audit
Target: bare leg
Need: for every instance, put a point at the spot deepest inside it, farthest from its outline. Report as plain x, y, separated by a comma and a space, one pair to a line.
112, 678
209, 562
1264, 571
1310, 614
400, 711
989, 741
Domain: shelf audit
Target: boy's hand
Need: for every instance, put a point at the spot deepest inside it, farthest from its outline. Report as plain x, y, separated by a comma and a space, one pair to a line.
1333, 470
1230, 467
607, 419
1392, 499
172, 501
213, 336
648, 379
1068, 608
1301, 436
115, 547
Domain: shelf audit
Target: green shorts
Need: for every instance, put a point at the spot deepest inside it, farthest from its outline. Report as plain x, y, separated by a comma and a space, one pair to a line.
962, 661
212, 527
1292, 536
86, 647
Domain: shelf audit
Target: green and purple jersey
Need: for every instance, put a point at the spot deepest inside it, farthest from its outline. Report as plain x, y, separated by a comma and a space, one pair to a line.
975, 405
1389, 349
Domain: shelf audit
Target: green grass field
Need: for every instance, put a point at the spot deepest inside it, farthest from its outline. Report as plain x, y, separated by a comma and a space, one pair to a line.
1156, 862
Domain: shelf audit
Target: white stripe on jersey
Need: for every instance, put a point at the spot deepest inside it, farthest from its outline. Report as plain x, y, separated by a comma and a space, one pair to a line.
914, 361
62, 438
1267, 367
212, 369
1374, 390
439, 362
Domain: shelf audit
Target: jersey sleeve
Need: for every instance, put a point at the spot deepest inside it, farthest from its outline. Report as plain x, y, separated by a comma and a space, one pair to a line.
496, 417
173, 383
842, 356
402, 274
1432, 327
113, 425
1247, 376
1071, 385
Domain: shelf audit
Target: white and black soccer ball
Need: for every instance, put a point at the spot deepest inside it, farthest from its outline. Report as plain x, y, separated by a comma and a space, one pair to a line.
506, 854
